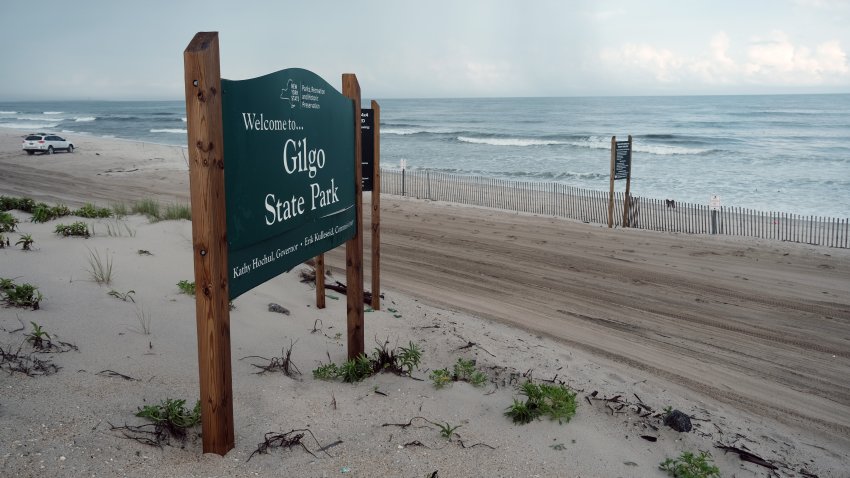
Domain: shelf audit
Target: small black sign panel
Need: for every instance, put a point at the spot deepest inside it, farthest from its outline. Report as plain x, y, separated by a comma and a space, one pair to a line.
367, 147
622, 160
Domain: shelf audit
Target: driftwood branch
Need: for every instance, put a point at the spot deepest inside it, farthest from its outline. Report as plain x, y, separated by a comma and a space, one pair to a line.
747, 456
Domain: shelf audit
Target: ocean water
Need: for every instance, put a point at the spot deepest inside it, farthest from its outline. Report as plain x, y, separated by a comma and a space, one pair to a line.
788, 153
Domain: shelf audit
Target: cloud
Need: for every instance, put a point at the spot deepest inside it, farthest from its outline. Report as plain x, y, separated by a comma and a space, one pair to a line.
777, 59
771, 61
662, 64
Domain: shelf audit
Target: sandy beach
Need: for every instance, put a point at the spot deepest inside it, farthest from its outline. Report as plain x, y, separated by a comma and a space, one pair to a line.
749, 337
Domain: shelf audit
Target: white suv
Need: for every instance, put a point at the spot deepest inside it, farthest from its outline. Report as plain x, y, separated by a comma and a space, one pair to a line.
46, 143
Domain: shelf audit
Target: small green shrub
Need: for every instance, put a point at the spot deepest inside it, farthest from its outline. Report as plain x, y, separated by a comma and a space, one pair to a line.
25, 205
39, 338
447, 430
23, 295
463, 371
8, 222
26, 241
6, 285
441, 377
79, 229
327, 371
689, 465
356, 369
172, 414
400, 361
91, 211
42, 213
8, 203
186, 287
556, 401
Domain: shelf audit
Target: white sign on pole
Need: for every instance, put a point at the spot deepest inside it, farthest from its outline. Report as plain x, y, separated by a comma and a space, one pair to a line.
403, 164
714, 203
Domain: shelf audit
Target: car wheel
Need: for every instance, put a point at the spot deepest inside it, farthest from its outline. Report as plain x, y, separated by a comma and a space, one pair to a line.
30, 153
70, 148
50, 150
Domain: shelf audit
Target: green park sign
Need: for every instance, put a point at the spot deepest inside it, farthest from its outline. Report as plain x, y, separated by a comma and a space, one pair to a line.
289, 182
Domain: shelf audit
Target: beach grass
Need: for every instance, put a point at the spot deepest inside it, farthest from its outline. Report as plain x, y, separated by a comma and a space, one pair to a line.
100, 268
148, 207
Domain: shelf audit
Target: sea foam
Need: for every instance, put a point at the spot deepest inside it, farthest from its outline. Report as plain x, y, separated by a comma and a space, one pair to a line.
169, 130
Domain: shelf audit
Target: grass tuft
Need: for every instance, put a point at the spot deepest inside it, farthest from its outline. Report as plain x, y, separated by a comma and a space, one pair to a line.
148, 207
100, 268
175, 212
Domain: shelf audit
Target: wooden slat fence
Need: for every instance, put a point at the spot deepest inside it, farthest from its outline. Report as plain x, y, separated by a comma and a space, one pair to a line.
555, 199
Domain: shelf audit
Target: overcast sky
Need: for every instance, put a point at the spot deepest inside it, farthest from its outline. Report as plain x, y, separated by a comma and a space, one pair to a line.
87, 49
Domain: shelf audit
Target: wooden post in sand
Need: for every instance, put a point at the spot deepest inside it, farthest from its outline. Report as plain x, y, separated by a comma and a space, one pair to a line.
611, 194
627, 199
209, 230
376, 207
319, 266
354, 246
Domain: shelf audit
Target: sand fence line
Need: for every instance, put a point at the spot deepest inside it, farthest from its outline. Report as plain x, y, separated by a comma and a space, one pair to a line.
587, 205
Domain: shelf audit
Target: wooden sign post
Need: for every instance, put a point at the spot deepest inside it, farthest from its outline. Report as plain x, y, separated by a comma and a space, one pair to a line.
371, 149
291, 191
209, 239
621, 168
354, 246
376, 208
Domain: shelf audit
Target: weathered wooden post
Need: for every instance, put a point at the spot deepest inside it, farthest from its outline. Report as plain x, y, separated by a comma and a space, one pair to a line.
354, 246
611, 190
371, 149
627, 199
209, 241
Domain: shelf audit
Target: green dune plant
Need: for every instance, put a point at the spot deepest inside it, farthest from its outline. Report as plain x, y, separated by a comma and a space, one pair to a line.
39, 338
462, 371
20, 295
555, 401
399, 360
91, 211
78, 229
8, 222
7, 203
26, 241
186, 287
688, 465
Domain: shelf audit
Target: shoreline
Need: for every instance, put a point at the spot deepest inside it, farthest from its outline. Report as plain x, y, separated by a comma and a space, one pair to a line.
750, 334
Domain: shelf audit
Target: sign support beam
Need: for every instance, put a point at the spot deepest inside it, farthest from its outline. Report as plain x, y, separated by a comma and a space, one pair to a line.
611, 193
628, 199
354, 246
202, 77
376, 207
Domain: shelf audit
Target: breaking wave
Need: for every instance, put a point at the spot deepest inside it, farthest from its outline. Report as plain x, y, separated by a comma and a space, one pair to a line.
169, 130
